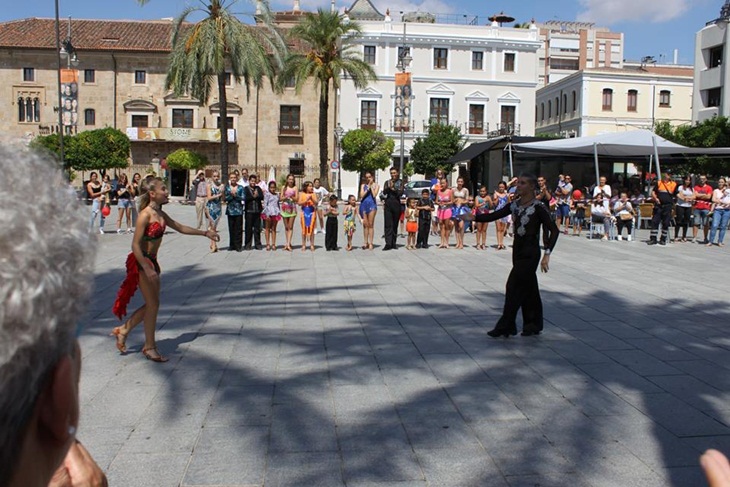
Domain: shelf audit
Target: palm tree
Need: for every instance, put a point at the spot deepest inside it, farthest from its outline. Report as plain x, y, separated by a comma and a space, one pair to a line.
203, 52
325, 59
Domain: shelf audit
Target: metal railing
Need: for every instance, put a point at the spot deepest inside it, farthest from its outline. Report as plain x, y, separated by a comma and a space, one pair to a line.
369, 123
291, 129
427, 123
506, 129
477, 128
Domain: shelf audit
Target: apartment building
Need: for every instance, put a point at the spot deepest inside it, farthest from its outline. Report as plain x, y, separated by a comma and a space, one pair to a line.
710, 71
567, 47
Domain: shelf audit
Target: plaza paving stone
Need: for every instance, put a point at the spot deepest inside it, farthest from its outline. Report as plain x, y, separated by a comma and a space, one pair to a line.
374, 368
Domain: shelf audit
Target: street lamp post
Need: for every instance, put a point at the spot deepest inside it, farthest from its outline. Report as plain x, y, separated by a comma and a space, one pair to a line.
66, 49
404, 61
339, 132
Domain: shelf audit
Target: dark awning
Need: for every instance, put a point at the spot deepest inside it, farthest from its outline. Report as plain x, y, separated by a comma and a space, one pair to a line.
476, 150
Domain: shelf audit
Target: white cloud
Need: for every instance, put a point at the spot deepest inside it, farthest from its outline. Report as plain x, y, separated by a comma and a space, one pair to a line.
607, 12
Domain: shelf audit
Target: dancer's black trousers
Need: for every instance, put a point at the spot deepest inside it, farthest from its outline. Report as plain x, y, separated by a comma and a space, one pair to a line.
424, 227
392, 216
330, 238
253, 229
235, 232
522, 290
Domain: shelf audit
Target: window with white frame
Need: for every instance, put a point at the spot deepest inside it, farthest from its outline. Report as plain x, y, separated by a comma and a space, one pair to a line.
477, 60
665, 98
510, 59
440, 58
369, 54
439, 111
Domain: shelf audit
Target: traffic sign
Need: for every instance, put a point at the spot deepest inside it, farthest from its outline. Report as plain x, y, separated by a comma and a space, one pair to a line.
335, 165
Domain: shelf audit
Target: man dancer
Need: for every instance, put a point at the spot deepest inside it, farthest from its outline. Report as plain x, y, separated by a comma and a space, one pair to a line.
254, 198
392, 190
703, 202
663, 195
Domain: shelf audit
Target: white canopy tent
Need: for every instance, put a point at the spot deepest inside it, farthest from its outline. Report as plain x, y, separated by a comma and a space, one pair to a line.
634, 143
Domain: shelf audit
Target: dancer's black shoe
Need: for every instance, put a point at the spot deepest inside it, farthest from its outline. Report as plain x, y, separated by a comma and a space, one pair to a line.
529, 333
501, 332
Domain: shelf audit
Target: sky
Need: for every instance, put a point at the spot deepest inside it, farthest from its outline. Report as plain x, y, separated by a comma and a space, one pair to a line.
651, 27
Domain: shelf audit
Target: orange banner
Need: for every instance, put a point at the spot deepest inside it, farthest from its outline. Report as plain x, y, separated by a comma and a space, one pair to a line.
70, 97
402, 114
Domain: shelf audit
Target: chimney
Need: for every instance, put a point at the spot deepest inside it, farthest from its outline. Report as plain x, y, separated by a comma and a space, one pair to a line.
676, 56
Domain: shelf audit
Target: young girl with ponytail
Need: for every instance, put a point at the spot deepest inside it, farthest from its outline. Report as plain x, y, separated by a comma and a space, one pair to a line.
143, 271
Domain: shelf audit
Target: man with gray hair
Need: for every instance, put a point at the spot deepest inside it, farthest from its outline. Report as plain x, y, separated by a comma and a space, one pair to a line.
44, 285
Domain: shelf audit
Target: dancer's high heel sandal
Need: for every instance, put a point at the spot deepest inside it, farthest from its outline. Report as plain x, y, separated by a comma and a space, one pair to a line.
502, 332
148, 355
121, 339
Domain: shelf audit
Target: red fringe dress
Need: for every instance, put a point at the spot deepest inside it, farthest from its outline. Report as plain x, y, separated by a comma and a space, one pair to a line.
154, 231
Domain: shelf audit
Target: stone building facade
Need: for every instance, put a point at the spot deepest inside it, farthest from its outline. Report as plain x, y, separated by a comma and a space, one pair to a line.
120, 83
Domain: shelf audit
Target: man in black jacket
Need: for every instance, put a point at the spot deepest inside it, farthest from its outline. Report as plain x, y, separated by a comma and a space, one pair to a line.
254, 197
392, 191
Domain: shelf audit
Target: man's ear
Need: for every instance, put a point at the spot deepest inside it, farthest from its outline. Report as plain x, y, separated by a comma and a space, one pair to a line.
58, 411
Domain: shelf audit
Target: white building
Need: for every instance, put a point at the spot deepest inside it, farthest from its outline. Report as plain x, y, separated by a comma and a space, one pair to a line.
711, 71
479, 78
599, 101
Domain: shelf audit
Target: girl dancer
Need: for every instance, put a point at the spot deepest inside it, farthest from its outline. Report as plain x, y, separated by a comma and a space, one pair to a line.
289, 197
214, 205
411, 223
349, 211
501, 199
482, 203
271, 215
522, 289
368, 209
445, 200
308, 202
461, 195
143, 269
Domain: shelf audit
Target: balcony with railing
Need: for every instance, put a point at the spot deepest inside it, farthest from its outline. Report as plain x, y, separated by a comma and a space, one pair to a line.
507, 129
477, 127
369, 123
291, 129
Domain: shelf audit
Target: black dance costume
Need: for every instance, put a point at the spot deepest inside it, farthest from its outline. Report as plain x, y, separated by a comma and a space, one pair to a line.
392, 191
522, 289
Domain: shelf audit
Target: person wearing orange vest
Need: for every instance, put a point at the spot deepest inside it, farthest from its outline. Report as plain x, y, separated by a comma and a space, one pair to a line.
663, 195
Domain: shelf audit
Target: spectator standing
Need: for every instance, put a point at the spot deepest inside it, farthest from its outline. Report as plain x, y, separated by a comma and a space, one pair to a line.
243, 180
392, 190
330, 239
663, 195
683, 210
124, 203
308, 216
445, 201
271, 215
350, 211
578, 203
425, 211
201, 197
254, 198
323, 198
136, 182
501, 199
435, 187
214, 206
562, 208
288, 198
234, 211
703, 203
97, 193
721, 212
461, 198
602, 188
368, 209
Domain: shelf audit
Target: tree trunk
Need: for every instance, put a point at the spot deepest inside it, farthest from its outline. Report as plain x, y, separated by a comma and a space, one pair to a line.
223, 125
324, 104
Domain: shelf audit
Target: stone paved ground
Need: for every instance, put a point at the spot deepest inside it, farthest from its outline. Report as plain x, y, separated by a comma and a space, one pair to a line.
374, 369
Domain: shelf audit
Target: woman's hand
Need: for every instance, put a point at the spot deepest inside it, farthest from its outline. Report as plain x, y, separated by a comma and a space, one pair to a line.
716, 467
545, 264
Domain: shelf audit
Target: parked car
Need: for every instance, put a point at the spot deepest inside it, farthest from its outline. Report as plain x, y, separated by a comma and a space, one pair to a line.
414, 188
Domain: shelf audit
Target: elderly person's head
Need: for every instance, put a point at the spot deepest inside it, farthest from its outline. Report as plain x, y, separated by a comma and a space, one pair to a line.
46, 255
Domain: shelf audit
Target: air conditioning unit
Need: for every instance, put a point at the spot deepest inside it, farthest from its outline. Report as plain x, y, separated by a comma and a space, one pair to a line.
299, 155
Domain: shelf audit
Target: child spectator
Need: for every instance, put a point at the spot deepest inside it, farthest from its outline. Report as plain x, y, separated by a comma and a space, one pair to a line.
481, 207
330, 230
425, 209
579, 212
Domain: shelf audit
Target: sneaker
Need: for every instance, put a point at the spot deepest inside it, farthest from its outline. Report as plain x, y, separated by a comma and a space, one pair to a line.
323, 231
629, 239
129, 230
604, 238
101, 231
119, 231
619, 238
